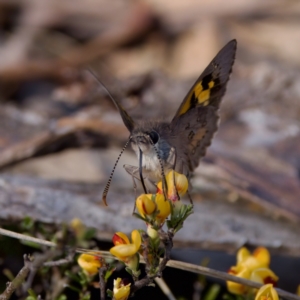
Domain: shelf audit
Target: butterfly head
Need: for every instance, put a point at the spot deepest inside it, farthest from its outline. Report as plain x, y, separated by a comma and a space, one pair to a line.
144, 141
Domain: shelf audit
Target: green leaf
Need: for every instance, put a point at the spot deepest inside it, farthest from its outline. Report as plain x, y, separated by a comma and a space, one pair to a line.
62, 297
32, 293
27, 223
212, 292
109, 293
90, 233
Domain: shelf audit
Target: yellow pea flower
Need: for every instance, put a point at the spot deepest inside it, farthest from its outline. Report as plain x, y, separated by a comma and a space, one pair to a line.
156, 205
145, 205
89, 263
163, 206
264, 276
260, 258
237, 288
121, 290
267, 292
124, 249
78, 227
177, 185
120, 238
254, 267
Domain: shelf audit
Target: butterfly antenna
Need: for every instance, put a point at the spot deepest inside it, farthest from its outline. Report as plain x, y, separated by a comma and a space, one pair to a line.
102, 84
164, 182
141, 170
112, 174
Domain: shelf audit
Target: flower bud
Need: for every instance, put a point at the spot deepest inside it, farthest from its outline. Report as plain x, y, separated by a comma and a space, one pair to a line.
145, 205
89, 263
177, 185
121, 290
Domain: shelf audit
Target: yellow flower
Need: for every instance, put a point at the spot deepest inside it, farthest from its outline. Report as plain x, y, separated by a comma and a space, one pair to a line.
78, 227
121, 291
254, 267
264, 276
267, 292
237, 288
145, 205
177, 185
156, 205
89, 263
126, 251
163, 206
120, 238
259, 259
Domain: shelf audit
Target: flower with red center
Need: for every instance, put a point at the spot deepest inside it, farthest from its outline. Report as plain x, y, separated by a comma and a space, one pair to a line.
264, 276
90, 263
145, 204
126, 251
155, 207
254, 267
177, 185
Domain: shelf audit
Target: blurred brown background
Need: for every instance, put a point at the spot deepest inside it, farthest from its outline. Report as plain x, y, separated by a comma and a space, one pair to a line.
60, 134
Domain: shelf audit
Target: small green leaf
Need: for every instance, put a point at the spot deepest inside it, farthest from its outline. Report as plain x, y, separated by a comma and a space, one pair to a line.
109, 293
89, 233
212, 292
62, 297
27, 223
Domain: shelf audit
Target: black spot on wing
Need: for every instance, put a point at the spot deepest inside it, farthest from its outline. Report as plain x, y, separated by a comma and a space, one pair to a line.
205, 81
194, 101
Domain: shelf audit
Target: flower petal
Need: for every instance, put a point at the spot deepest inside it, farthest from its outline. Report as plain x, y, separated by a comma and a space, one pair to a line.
164, 207
262, 255
237, 288
123, 251
177, 184
242, 255
136, 239
180, 180
267, 292
121, 291
89, 263
264, 275
120, 238
145, 205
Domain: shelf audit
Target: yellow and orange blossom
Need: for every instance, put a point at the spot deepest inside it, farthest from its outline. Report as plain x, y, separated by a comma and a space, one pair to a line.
148, 204
234, 287
260, 258
267, 292
145, 205
121, 291
177, 185
253, 267
89, 263
123, 248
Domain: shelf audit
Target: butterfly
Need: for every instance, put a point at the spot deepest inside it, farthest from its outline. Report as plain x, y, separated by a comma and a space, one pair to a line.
178, 145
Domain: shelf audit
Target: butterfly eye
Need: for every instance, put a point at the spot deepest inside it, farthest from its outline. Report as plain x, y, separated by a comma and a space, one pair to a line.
154, 136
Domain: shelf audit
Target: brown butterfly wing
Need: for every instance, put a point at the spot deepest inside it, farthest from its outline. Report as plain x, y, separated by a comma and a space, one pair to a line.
196, 120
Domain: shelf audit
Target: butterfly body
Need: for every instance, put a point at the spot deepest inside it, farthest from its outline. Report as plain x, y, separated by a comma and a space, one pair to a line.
179, 144
143, 138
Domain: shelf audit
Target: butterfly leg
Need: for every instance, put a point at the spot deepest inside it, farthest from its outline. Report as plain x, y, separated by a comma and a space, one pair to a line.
135, 192
134, 172
173, 161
